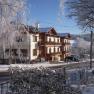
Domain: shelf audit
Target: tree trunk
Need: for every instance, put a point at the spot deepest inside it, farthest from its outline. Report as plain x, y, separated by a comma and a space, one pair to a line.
91, 44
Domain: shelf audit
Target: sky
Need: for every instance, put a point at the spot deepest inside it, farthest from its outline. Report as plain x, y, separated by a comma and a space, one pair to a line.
47, 14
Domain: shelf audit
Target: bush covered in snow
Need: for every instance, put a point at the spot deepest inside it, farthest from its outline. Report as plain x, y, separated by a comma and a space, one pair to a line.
40, 81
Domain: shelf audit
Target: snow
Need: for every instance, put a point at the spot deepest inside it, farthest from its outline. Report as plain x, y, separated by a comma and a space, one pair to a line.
44, 64
4, 68
85, 89
88, 90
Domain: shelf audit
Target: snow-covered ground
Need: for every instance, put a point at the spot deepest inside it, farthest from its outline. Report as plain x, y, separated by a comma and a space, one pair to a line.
85, 89
45, 64
88, 89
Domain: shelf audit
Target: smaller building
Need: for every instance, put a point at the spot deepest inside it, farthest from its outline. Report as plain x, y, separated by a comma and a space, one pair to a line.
65, 45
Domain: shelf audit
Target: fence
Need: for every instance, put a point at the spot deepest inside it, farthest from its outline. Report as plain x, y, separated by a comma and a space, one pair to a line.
80, 77
75, 76
4, 88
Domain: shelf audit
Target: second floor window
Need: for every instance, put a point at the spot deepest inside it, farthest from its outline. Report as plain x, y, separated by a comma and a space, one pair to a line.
49, 39
58, 49
58, 40
49, 50
54, 49
19, 39
34, 38
34, 52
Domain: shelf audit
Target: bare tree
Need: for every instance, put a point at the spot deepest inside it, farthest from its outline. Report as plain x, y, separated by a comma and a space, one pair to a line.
83, 13
11, 14
79, 49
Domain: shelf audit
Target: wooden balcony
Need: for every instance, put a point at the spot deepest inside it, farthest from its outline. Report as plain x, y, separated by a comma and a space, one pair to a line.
65, 43
52, 43
41, 43
55, 53
63, 52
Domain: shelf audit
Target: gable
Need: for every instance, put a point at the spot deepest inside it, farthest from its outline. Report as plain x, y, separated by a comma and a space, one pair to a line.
52, 31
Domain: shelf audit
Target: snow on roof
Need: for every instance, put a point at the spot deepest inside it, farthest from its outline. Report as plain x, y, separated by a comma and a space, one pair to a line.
45, 29
63, 34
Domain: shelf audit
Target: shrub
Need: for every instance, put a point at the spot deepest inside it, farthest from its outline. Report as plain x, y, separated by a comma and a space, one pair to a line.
39, 81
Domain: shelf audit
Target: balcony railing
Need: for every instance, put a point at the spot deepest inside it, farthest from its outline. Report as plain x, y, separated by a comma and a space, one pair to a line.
48, 43
52, 43
54, 53
65, 43
65, 51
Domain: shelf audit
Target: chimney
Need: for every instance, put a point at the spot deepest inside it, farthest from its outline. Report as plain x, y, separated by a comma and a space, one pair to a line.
37, 25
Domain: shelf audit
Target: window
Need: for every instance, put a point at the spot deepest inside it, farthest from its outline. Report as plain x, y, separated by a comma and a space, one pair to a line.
58, 40
64, 40
54, 39
58, 49
35, 38
54, 49
34, 52
24, 52
14, 52
49, 50
19, 39
7, 51
49, 39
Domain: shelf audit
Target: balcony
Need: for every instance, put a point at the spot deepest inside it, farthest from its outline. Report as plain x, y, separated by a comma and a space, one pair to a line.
52, 43
65, 43
63, 52
66, 51
55, 53
41, 43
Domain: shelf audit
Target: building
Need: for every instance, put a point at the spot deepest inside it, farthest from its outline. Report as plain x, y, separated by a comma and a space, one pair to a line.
38, 44
65, 45
49, 44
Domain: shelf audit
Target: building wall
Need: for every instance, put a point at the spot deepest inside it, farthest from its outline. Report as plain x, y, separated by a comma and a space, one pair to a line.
34, 45
20, 43
66, 47
53, 47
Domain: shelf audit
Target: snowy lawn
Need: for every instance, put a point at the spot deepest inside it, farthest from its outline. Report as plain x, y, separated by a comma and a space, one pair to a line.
45, 64
4, 68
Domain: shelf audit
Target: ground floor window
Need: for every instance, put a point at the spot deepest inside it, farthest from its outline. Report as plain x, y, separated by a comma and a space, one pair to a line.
24, 52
